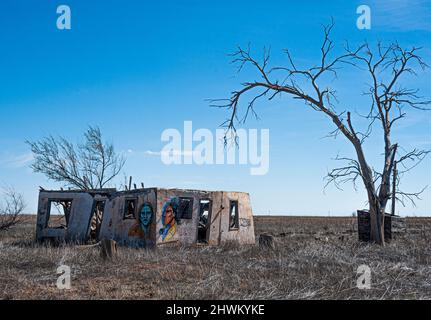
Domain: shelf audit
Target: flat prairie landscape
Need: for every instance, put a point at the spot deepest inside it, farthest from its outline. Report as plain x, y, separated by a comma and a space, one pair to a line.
314, 258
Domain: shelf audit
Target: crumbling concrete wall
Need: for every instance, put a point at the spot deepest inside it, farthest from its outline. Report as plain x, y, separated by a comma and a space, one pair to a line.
185, 231
80, 215
182, 229
148, 217
129, 231
220, 229
245, 233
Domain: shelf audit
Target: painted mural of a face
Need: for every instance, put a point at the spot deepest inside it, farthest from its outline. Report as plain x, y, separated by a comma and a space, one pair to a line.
169, 215
169, 221
146, 217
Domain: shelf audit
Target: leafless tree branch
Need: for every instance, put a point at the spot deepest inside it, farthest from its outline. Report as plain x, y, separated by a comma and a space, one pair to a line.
11, 207
90, 165
385, 65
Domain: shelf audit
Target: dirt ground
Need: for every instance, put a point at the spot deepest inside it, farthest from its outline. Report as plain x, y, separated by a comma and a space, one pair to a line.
314, 258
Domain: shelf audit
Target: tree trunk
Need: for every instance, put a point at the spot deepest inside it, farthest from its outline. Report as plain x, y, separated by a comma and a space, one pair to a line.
377, 223
382, 227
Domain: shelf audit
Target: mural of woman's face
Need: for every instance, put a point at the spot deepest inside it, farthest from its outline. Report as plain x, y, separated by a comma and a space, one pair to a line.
146, 215
169, 215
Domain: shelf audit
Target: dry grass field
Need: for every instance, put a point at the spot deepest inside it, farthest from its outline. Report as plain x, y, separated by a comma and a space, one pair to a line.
314, 258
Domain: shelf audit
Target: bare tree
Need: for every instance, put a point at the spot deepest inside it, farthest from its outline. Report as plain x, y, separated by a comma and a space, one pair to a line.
11, 207
389, 101
90, 165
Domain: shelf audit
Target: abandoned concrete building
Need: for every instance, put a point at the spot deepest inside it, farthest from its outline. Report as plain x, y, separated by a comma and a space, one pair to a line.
146, 217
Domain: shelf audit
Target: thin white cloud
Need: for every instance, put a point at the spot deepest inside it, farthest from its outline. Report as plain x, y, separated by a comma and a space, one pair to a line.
170, 153
16, 161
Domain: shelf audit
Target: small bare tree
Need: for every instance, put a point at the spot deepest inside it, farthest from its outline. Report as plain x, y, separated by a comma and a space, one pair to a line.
389, 100
11, 207
90, 165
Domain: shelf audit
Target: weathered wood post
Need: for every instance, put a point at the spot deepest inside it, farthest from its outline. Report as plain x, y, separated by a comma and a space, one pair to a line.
266, 241
108, 249
394, 189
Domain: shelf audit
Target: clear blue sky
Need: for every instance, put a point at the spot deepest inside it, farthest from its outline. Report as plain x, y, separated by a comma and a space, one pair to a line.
135, 68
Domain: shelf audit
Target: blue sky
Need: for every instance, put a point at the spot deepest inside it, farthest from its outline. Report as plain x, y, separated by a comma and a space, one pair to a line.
135, 68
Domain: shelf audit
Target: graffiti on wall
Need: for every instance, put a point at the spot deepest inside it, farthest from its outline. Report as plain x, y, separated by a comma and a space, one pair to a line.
170, 219
146, 217
141, 228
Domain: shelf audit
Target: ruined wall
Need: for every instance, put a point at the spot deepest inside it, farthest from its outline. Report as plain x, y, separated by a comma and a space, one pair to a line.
130, 231
364, 226
148, 217
220, 229
185, 230
217, 211
78, 226
182, 229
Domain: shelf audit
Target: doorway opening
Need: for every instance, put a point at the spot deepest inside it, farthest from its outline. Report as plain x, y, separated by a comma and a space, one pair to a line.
96, 220
204, 221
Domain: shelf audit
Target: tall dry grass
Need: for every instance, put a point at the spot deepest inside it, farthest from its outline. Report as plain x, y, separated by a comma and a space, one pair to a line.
314, 258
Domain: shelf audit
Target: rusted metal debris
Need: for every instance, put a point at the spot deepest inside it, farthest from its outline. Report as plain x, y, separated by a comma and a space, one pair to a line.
145, 217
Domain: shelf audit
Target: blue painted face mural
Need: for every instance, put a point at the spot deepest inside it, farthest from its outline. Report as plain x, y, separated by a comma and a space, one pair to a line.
146, 217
